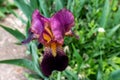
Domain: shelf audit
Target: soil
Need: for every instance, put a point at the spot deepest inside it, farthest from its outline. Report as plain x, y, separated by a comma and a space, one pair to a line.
9, 50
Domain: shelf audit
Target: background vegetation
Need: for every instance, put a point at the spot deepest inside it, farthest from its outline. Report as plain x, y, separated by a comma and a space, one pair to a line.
95, 56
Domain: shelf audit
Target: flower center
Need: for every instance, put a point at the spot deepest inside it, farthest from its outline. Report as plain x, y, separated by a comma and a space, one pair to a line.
49, 38
47, 34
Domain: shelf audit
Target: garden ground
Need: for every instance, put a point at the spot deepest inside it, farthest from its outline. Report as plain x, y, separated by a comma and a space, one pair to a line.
9, 50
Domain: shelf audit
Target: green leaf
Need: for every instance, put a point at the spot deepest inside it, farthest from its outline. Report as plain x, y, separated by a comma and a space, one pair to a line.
27, 28
34, 4
24, 63
79, 5
33, 49
78, 57
16, 15
43, 7
105, 14
25, 7
17, 34
20, 62
2, 14
100, 68
115, 75
69, 4
58, 76
70, 75
58, 5
99, 74
72, 6
32, 76
113, 30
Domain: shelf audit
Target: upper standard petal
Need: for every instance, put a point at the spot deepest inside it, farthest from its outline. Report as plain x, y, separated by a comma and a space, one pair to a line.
61, 22
37, 25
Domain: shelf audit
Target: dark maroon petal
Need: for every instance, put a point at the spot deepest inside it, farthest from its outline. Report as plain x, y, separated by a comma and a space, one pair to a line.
61, 22
47, 64
61, 61
50, 63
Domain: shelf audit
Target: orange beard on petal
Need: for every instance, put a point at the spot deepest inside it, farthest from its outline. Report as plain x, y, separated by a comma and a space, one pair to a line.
52, 44
53, 48
49, 38
47, 35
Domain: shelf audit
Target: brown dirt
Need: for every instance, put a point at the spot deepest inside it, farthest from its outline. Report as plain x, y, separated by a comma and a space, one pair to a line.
9, 50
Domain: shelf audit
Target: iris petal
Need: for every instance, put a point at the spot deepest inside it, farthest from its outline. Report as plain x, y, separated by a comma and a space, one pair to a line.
30, 37
61, 61
50, 63
61, 22
37, 22
47, 64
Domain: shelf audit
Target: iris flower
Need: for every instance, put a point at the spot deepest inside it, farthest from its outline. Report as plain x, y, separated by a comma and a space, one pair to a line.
50, 32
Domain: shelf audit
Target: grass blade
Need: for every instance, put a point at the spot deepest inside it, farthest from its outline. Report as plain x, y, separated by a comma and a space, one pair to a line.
78, 58
113, 30
17, 34
33, 49
115, 75
100, 68
58, 76
69, 4
20, 62
43, 7
24, 7
105, 13
24, 63
70, 75
32, 76
34, 4
58, 5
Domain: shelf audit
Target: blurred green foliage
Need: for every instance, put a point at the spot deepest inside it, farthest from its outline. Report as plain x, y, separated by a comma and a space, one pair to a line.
6, 7
96, 55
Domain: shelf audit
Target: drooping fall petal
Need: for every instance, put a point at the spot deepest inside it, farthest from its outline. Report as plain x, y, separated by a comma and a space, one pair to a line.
50, 63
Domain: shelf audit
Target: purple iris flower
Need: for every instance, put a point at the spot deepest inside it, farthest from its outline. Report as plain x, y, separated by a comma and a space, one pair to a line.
50, 32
